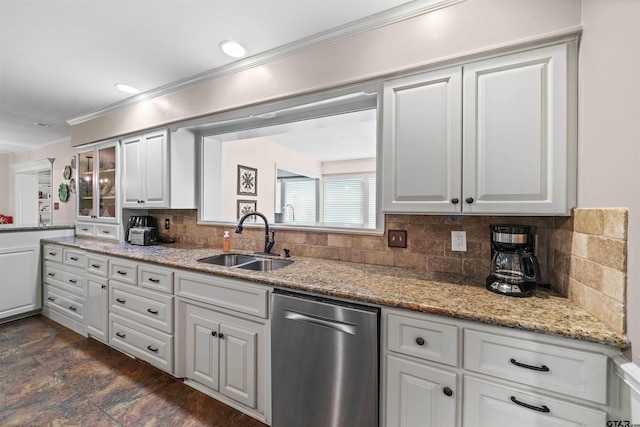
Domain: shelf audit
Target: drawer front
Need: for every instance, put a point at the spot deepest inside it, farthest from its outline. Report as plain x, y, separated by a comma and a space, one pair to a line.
70, 281
559, 369
72, 306
147, 307
52, 253
108, 231
495, 405
427, 340
97, 265
74, 258
142, 342
156, 278
123, 271
83, 229
227, 293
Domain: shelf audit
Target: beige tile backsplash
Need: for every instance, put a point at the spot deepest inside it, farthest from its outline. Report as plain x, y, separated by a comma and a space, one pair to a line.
583, 256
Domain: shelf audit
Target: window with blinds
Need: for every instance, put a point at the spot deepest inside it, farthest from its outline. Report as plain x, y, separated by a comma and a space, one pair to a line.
349, 200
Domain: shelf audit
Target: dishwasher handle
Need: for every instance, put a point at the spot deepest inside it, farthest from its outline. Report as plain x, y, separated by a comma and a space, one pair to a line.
306, 318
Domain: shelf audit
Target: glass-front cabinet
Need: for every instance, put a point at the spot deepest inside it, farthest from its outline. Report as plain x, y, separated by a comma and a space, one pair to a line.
97, 190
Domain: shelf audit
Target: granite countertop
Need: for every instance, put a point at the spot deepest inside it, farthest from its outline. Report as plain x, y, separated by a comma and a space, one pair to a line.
14, 228
448, 295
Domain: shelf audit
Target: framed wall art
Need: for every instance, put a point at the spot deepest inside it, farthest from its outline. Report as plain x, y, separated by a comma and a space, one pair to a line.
247, 181
246, 206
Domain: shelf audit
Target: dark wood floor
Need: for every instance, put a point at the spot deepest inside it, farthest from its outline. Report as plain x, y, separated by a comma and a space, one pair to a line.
51, 376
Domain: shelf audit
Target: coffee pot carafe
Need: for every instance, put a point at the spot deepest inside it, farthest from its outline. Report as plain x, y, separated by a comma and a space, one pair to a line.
514, 267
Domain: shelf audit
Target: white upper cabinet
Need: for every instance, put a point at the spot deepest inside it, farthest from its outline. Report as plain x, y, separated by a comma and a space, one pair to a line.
492, 137
159, 170
423, 142
145, 159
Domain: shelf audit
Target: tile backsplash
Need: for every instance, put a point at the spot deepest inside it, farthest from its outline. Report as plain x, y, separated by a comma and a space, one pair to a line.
582, 257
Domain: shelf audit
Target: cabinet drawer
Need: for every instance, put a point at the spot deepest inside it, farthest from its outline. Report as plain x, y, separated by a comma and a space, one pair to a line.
559, 369
223, 292
156, 278
70, 281
123, 271
107, 231
427, 340
97, 265
71, 305
496, 405
146, 307
145, 343
83, 229
74, 258
52, 253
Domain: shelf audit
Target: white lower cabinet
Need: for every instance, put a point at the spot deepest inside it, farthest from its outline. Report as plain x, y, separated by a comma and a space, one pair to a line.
221, 352
223, 340
490, 404
419, 395
97, 314
446, 372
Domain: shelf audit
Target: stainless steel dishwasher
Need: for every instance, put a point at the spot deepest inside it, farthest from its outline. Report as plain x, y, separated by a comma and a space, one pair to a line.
324, 358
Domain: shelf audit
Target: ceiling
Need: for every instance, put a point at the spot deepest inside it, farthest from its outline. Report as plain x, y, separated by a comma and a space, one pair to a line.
60, 59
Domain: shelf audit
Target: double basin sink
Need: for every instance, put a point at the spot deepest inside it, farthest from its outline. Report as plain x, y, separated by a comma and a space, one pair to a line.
246, 262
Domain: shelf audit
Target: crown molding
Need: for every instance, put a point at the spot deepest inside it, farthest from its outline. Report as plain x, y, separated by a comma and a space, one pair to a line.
381, 19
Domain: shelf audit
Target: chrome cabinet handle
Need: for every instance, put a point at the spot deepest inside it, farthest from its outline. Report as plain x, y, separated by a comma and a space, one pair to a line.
152, 311
121, 301
542, 408
541, 368
121, 335
155, 350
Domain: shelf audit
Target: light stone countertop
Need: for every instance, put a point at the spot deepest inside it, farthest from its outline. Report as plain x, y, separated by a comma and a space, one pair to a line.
448, 295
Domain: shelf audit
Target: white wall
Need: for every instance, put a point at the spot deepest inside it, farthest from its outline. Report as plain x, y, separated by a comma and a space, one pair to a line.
62, 152
609, 127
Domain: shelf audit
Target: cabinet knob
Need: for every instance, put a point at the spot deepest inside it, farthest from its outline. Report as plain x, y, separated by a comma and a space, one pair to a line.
420, 341
469, 200
455, 201
214, 334
221, 336
104, 286
447, 391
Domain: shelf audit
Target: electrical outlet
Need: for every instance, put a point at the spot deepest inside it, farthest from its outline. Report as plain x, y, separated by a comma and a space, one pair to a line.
167, 224
459, 241
397, 239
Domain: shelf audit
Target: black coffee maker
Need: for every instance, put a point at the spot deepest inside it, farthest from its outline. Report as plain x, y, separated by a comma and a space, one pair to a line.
514, 267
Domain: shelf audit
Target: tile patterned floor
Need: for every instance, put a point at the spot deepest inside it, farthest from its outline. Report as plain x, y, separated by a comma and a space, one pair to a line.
51, 376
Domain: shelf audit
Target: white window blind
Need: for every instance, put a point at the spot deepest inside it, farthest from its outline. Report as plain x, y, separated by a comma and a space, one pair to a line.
350, 200
299, 197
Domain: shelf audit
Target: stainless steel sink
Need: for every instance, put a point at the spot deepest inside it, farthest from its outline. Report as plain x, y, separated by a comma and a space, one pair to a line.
265, 264
228, 260
246, 262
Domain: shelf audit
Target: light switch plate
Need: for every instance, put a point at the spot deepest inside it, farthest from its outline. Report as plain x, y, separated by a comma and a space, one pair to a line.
397, 238
459, 241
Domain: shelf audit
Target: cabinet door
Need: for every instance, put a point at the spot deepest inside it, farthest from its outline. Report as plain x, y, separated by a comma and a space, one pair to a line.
422, 142
132, 165
156, 174
489, 404
202, 345
238, 362
419, 395
97, 313
19, 285
519, 133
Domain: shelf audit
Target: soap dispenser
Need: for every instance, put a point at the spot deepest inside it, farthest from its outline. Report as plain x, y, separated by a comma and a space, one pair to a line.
226, 242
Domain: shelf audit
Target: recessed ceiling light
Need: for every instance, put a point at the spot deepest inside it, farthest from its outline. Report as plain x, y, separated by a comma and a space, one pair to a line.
233, 49
126, 88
